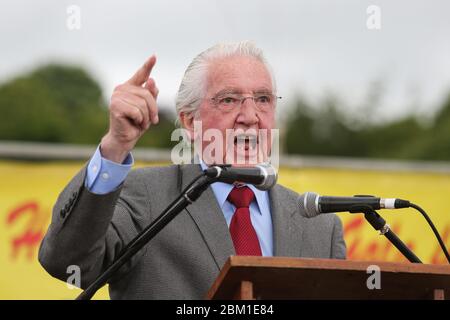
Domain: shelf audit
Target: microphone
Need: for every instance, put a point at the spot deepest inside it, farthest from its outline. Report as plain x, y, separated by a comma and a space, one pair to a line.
311, 204
262, 176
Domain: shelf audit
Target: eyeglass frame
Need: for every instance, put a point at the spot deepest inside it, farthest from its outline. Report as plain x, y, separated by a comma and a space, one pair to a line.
242, 97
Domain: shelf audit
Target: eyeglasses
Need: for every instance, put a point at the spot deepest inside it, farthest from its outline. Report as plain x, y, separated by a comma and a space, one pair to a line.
231, 101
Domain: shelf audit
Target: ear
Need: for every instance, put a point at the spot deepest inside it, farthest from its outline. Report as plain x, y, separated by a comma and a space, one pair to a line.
187, 122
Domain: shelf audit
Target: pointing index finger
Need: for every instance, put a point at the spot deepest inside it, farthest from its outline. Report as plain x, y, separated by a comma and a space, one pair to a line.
143, 73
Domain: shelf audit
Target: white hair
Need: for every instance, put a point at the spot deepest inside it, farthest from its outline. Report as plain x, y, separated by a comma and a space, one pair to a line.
193, 85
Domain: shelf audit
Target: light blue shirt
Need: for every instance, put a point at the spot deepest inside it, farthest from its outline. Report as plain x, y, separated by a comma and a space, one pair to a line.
104, 176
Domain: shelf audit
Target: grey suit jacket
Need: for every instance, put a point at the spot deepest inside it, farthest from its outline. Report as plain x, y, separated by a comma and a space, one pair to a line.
183, 260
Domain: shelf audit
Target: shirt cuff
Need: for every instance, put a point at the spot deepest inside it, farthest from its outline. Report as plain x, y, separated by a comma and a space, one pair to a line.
105, 176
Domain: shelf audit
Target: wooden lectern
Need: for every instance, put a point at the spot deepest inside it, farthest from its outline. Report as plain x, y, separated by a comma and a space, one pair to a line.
248, 278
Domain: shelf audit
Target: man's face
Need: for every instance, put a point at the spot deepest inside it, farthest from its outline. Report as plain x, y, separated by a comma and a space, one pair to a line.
238, 76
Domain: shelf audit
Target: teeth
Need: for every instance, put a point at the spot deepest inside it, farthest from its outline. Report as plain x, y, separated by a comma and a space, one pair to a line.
242, 138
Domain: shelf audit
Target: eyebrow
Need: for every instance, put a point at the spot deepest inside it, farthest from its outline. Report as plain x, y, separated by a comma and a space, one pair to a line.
239, 91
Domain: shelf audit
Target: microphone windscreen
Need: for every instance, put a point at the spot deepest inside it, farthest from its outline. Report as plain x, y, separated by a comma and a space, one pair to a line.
271, 177
307, 204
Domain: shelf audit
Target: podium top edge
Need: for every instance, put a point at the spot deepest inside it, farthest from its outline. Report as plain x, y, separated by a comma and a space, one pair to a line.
333, 264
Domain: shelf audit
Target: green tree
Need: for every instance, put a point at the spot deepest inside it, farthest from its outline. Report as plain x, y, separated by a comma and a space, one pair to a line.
57, 103
329, 130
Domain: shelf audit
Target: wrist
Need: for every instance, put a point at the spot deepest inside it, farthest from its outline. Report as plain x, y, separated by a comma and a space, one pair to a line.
113, 150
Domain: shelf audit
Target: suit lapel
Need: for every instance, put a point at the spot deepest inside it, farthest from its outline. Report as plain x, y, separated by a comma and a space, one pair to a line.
287, 226
209, 219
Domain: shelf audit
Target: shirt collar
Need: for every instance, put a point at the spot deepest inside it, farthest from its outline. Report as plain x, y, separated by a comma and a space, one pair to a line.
222, 190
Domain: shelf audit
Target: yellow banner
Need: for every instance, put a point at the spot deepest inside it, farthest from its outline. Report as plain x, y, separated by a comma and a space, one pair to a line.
29, 190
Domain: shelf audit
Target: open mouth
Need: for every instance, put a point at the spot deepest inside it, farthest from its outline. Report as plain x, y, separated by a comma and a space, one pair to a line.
246, 141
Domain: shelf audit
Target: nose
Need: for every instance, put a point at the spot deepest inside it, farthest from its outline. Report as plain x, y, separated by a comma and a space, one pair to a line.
247, 112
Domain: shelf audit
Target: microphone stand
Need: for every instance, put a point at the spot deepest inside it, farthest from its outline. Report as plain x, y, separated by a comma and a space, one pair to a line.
188, 196
379, 224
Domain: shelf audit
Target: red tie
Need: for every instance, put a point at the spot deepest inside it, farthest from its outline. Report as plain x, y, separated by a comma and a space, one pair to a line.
242, 232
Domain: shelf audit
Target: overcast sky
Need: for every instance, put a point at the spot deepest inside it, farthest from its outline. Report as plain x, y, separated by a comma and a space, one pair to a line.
313, 46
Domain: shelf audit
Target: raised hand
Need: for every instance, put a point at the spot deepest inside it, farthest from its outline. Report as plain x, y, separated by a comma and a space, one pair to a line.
132, 111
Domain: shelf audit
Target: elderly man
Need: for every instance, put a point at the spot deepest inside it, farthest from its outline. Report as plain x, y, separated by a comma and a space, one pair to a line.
228, 86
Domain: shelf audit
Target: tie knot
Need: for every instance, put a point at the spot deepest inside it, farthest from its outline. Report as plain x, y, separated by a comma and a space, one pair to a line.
241, 197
